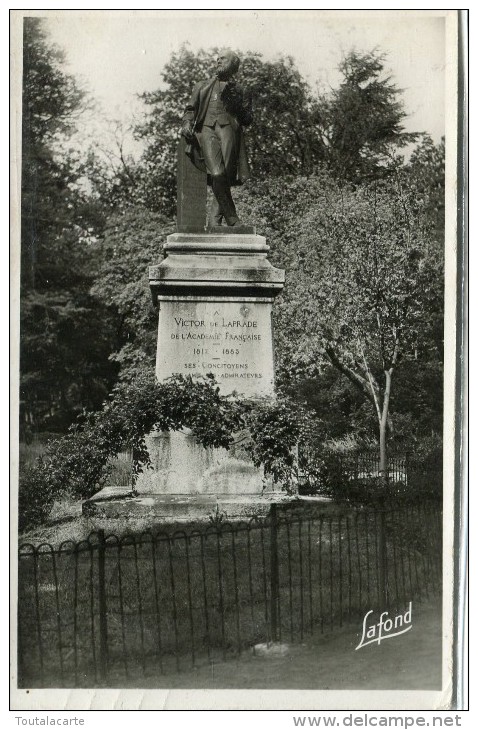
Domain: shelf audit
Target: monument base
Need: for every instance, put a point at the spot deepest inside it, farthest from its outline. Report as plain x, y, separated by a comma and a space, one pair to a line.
118, 502
182, 466
214, 292
187, 482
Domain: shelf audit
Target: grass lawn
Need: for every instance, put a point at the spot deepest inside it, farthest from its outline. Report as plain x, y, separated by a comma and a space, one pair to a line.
185, 598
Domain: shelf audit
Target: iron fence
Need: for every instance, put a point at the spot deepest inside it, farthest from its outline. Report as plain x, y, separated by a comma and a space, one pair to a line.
316, 474
95, 612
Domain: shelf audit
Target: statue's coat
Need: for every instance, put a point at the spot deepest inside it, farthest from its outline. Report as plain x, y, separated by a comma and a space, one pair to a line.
196, 113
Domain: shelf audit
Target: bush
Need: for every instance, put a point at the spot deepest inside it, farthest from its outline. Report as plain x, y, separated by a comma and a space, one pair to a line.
368, 491
77, 464
339, 478
425, 467
276, 428
36, 495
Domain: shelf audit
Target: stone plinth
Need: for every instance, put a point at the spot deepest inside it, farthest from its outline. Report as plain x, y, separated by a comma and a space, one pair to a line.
180, 466
215, 295
214, 292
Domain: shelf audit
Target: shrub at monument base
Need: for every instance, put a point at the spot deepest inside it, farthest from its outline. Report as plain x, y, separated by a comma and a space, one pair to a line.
276, 429
79, 463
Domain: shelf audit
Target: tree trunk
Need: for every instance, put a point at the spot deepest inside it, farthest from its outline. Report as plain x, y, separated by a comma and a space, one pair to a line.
383, 468
383, 447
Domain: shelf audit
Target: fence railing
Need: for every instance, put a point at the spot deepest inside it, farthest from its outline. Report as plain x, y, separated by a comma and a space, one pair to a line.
402, 469
94, 612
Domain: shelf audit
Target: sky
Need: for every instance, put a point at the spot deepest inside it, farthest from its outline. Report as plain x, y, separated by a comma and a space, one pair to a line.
119, 54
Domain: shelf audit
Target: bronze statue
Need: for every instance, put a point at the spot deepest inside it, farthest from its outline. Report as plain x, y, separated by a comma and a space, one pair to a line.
212, 125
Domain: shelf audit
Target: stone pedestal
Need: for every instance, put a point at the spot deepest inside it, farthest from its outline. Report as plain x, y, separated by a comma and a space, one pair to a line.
214, 291
215, 295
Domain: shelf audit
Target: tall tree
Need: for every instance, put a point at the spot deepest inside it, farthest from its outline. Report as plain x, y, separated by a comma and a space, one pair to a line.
360, 124
65, 335
362, 291
112, 170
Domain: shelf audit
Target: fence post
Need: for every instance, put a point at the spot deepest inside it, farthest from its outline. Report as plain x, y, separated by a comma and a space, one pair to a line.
382, 557
102, 605
274, 573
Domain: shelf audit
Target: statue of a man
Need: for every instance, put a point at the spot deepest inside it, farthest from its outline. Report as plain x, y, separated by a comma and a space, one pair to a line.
212, 125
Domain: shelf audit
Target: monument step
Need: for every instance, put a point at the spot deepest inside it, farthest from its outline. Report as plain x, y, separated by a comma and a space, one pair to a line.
216, 241
226, 230
232, 230
180, 507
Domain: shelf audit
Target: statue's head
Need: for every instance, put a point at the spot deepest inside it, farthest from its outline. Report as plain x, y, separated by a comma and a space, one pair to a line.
227, 64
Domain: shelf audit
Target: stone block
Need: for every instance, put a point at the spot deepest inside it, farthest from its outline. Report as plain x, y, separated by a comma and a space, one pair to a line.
181, 466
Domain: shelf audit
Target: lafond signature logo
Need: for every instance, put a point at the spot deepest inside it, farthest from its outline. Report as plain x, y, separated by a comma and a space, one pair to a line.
385, 628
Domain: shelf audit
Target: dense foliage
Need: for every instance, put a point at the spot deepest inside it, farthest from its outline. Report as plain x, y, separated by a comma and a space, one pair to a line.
361, 122
66, 334
363, 295
354, 131
337, 477
78, 464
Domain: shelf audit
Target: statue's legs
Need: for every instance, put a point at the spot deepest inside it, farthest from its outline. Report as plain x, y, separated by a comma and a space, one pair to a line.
215, 213
218, 146
222, 193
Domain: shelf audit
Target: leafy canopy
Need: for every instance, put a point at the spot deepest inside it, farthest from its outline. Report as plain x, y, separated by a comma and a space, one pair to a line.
66, 336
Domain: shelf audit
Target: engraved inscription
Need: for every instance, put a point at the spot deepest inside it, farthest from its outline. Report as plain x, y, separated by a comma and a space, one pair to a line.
225, 362
234, 344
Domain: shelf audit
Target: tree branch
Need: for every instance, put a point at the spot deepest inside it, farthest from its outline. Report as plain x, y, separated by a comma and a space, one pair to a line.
373, 384
361, 383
